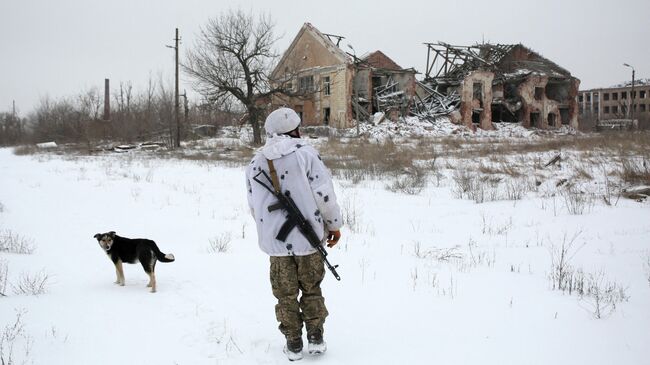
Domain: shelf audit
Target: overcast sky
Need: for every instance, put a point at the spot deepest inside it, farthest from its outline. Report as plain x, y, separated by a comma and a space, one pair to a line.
62, 47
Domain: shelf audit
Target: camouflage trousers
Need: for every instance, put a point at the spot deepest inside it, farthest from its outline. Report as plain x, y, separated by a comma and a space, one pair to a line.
292, 276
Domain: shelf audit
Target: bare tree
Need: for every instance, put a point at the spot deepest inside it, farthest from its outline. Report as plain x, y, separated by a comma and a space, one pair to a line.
233, 58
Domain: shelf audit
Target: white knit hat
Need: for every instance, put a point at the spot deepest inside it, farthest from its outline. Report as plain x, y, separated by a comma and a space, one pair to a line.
282, 120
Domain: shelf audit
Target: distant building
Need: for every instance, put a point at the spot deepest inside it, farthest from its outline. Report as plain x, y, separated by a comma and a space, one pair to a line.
614, 102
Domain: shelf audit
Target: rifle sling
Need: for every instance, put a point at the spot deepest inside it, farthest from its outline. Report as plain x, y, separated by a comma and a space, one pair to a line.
274, 176
288, 225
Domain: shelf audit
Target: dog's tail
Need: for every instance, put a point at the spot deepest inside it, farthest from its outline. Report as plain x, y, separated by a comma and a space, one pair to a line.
161, 256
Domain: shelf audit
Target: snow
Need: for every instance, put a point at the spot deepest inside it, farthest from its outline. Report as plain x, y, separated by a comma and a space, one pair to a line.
381, 128
396, 303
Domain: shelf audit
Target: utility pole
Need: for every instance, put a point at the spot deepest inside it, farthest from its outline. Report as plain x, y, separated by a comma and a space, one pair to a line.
631, 96
186, 107
177, 142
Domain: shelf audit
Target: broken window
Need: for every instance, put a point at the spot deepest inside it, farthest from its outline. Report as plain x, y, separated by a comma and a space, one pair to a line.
606, 110
606, 96
478, 93
564, 115
376, 82
588, 98
534, 119
478, 90
551, 119
642, 94
614, 96
642, 107
289, 85
615, 109
623, 94
326, 85
476, 117
306, 83
326, 116
558, 91
581, 98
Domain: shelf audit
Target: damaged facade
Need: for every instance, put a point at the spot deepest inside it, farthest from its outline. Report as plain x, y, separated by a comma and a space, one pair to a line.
331, 87
484, 84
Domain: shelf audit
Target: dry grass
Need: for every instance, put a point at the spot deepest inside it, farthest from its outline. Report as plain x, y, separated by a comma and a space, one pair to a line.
635, 171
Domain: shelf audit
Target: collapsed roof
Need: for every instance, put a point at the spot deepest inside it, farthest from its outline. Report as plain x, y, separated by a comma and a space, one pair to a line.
448, 64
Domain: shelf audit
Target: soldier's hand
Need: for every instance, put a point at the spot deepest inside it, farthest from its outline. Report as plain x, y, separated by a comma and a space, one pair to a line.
333, 238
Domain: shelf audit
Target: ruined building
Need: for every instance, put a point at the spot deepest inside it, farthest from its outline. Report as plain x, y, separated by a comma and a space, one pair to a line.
490, 83
329, 86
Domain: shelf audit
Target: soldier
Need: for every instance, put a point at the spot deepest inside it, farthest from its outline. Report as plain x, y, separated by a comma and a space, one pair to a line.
296, 267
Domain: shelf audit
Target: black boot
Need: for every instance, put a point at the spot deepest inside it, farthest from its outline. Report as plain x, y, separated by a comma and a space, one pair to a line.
293, 349
316, 343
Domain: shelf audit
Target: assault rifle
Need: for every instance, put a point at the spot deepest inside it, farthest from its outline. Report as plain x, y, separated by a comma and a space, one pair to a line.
294, 219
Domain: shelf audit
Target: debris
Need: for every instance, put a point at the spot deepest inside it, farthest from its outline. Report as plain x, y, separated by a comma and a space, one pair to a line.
638, 193
554, 160
124, 148
434, 104
46, 145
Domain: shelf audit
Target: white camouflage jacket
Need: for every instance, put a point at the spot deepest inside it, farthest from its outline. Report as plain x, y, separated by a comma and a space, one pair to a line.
302, 174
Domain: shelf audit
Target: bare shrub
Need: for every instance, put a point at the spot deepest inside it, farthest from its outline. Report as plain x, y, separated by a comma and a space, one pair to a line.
464, 182
443, 254
515, 189
478, 257
575, 201
11, 336
635, 171
583, 173
351, 214
491, 228
563, 275
609, 191
15, 243
220, 243
4, 273
602, 295
31, 284
411, 183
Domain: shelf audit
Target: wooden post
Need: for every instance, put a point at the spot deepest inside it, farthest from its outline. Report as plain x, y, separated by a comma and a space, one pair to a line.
176, 103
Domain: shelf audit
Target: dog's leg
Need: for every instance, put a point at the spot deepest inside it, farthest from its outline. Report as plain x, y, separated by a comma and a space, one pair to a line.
152, 275
152, 281
148, 264
120, 273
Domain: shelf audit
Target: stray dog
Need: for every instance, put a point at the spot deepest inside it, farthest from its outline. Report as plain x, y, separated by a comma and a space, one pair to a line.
121, 249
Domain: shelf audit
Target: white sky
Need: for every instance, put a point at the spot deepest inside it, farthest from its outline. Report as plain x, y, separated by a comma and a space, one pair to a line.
62, 47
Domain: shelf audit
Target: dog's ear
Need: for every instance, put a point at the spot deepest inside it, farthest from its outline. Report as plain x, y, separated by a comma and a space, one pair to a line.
112, 234
98, 236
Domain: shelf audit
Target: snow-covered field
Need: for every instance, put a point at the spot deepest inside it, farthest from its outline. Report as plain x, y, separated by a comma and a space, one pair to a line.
427, 278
